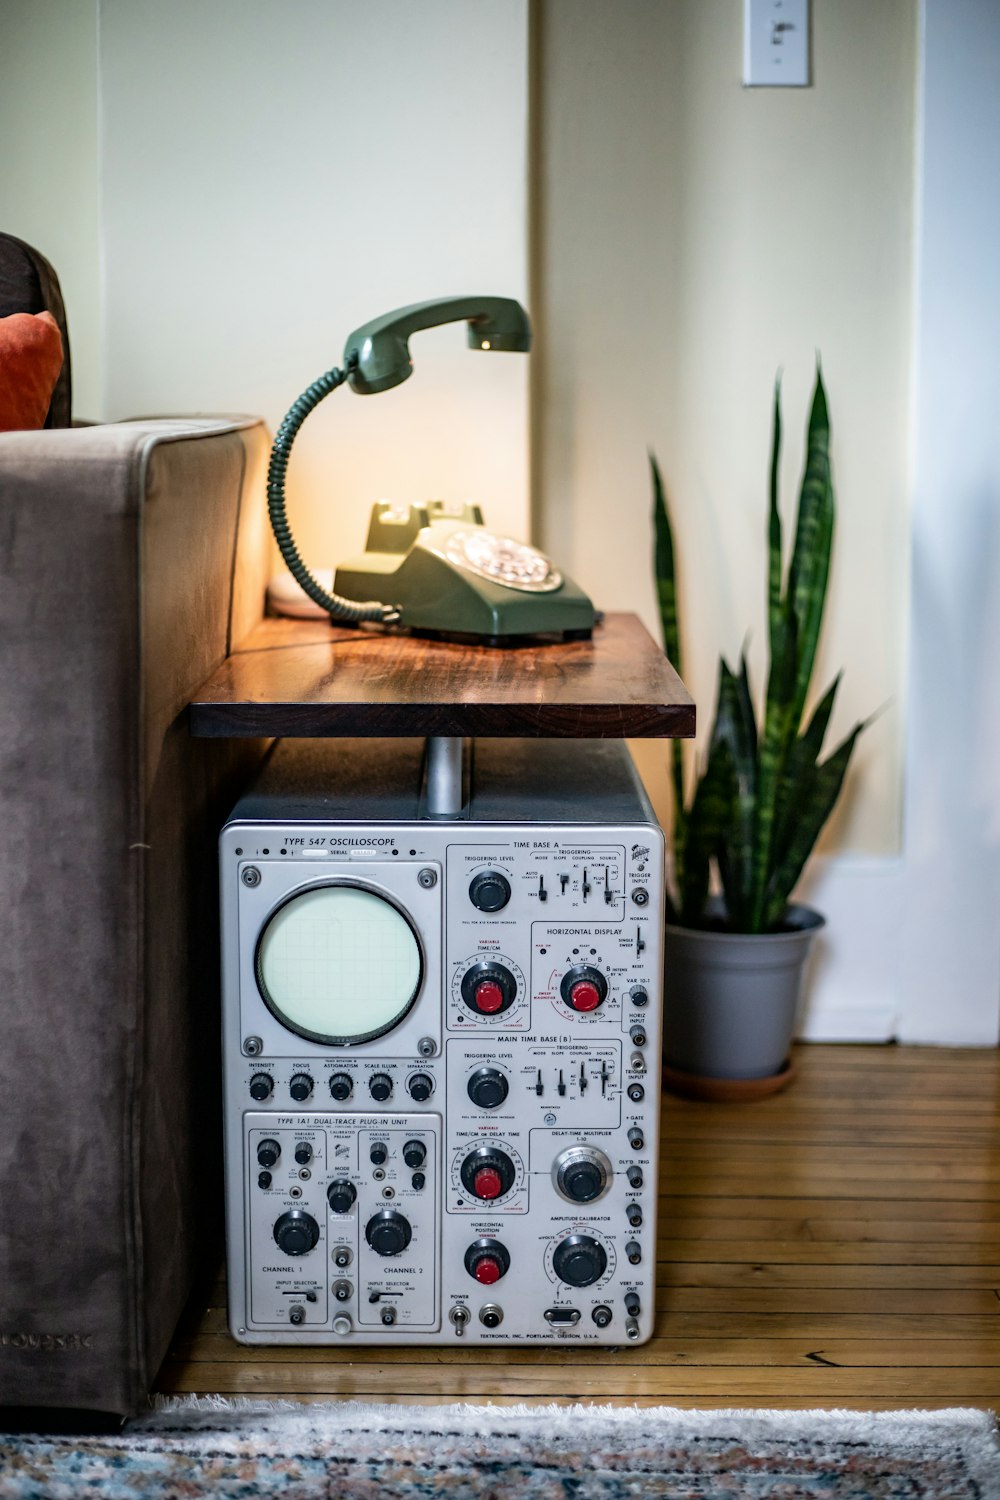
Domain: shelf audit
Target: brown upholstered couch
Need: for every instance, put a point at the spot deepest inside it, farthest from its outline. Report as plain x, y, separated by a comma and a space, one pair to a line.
131, 555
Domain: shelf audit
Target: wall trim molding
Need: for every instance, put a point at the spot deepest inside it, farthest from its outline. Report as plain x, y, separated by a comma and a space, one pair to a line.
863, 984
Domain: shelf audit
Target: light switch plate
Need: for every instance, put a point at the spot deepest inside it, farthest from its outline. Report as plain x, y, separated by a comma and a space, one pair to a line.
776, 43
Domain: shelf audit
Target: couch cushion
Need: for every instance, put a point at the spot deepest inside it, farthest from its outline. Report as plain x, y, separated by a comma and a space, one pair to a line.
31, 357
28, 284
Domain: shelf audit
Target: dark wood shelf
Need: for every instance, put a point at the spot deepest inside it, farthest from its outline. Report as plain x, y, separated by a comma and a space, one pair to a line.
313, 680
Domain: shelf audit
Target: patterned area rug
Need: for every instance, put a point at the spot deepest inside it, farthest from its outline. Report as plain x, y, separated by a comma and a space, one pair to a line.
247, 1450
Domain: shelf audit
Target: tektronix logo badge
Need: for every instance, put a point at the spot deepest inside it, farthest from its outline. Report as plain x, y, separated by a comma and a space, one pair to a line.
67, 1342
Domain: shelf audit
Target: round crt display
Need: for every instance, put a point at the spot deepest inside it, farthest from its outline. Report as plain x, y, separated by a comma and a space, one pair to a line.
338, 964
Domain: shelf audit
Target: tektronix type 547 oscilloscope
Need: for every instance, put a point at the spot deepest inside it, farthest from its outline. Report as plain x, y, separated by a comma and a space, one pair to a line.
442, 1044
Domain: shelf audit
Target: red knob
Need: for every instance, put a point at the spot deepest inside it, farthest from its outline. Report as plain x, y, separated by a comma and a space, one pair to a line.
487, 1183
584, 995
489, 997
487, 1270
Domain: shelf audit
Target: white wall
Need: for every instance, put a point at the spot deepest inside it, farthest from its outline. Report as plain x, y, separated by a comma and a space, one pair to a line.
950, 936
923, 957
273, 176
48, 164
694, 238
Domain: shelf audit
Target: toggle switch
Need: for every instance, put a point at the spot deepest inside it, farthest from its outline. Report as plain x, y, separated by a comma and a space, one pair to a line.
776, 43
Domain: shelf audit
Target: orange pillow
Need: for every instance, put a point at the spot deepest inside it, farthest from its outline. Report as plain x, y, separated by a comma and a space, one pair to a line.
31, 356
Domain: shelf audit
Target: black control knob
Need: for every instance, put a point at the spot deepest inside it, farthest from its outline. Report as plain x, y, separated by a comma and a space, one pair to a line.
341, 1086
639, 996
303, 1153
379, 1154
487, 1173
580, 1260
341, 1195
582, 1173
414, 1154
296, 1232
583, 1181
268, 1152
488, 1087
583, 988
489, 989
388, 1232
421, 1087
261, 1086
490, 891
380, 1087
300, 1087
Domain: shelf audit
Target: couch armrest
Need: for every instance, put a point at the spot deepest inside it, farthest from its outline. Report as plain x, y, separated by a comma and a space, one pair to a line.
119, 550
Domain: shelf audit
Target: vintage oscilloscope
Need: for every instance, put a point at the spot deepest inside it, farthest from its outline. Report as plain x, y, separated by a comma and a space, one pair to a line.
441, 1043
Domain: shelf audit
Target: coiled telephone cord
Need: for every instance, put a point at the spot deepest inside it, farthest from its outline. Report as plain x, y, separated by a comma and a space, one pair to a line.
348, 611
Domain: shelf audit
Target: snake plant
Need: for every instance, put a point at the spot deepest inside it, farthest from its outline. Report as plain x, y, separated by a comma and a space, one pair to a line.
764, 794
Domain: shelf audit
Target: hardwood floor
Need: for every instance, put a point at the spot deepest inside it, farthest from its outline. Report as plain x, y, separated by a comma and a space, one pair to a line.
837, 1245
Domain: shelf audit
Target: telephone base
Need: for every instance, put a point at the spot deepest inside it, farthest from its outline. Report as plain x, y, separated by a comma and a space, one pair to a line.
470, 638
450, 579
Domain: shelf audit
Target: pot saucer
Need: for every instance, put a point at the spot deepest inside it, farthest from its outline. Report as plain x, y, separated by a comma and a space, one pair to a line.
727, 1090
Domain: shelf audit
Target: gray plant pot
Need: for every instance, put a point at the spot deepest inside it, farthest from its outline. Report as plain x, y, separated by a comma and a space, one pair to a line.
730, 999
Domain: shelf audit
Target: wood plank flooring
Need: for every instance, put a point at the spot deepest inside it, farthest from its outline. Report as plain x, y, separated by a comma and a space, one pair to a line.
838, 1245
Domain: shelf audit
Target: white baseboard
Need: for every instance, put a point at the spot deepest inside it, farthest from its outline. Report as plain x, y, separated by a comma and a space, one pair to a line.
851, 990
863, 985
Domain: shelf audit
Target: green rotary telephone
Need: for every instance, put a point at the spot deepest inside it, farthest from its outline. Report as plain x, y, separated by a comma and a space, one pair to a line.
432, 569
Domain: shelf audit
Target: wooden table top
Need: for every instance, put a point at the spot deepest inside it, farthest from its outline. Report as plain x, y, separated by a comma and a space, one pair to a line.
311, 679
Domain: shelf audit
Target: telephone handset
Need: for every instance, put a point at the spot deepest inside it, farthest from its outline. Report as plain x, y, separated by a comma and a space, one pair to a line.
431, 568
